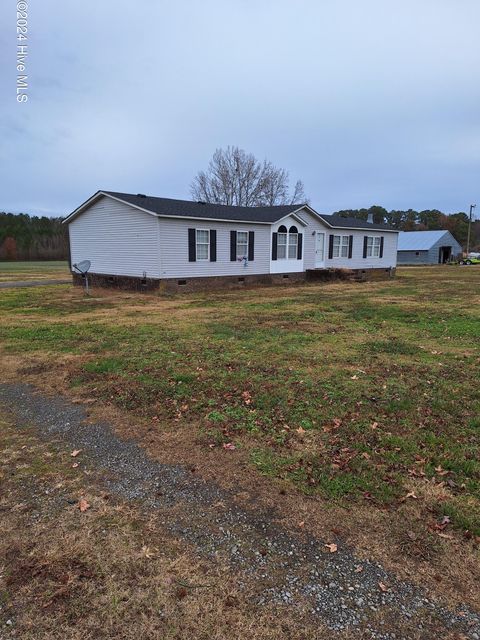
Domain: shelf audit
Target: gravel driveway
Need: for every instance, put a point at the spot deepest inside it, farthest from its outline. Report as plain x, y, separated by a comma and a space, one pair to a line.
13, 284
342, 590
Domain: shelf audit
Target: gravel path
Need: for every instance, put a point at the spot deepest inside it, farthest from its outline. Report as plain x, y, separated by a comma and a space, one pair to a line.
12, 284
341, 589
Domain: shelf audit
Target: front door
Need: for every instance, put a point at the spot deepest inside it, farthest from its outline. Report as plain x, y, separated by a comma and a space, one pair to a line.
319, 250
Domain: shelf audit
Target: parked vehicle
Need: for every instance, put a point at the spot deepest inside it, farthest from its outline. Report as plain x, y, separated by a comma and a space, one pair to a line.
470, 260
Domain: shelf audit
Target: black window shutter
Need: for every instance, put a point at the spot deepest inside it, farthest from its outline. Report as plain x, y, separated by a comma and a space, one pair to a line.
233, 246
213, 245
381, 247
299, 246
350, 246
251, 246
192, 249
330, 247
365, 243
274, 246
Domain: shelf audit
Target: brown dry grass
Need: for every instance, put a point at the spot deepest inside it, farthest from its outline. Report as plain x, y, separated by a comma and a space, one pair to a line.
398, 536
111, 571
383, 535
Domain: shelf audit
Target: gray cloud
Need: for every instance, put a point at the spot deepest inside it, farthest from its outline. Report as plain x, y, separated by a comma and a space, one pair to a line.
367, 102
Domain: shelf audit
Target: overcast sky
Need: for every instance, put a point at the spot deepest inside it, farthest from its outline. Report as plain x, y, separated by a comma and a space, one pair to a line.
368, 102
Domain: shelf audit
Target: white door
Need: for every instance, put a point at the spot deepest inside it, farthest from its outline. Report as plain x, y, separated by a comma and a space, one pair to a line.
319, 250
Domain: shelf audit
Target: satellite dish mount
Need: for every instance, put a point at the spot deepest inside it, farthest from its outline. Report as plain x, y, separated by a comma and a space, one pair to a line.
82, 268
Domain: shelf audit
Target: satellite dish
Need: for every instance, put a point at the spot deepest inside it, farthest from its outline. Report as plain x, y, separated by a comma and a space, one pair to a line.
83, 267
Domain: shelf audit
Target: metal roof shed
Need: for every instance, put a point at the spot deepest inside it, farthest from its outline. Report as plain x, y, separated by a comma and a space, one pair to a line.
426, 247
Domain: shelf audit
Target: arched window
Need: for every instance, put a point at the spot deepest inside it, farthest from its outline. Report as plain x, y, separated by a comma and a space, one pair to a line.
282, 236
292, 242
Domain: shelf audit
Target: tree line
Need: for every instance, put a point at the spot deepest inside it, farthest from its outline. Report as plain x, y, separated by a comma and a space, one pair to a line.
234, 176
25, 237
429, 219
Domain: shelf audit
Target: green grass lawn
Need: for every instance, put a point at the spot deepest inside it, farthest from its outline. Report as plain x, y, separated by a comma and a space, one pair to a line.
353, 392
34, 270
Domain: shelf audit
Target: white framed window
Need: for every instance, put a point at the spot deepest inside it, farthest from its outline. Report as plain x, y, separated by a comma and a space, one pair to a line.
373, 246
282, 237
242, 244
203, 244
292, 243
287, 243
340, 246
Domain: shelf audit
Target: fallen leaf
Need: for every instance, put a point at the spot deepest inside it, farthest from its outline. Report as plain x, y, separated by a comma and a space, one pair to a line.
83, 505
75, 453
75, 465
440, 471
358, 569
231, 601
383, 586
229, 446
301, 524
332, 547
353, 377
374, 425
300, 430
411, 495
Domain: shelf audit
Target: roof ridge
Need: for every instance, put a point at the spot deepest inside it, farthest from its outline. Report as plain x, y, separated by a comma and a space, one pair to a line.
293, 206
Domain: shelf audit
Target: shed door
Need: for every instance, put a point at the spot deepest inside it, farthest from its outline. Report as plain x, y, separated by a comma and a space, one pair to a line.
319, 250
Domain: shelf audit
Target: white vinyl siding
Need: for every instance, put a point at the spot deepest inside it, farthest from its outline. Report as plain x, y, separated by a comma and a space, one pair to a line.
121, 240
174, 249
117, 239
357, 261
287, 246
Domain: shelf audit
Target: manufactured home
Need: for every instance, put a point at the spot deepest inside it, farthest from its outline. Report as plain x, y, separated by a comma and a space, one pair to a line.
427, 247
138, 241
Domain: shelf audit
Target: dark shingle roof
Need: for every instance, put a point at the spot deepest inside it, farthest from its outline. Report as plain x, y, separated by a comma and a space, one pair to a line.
189, 209
202, 210
339, 221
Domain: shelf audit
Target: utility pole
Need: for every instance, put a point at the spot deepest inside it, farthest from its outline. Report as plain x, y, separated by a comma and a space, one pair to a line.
472, 207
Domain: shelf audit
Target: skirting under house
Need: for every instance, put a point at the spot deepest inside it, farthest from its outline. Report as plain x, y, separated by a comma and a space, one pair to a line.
146, 243
186, 285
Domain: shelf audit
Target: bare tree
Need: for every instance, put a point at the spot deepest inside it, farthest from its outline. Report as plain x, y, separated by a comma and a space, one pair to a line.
237, 178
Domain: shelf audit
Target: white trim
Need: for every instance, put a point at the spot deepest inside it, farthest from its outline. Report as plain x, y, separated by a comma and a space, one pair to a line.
340, 246
245, 253
293, 214
377, 257
207, 259
95, 197
319, 264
